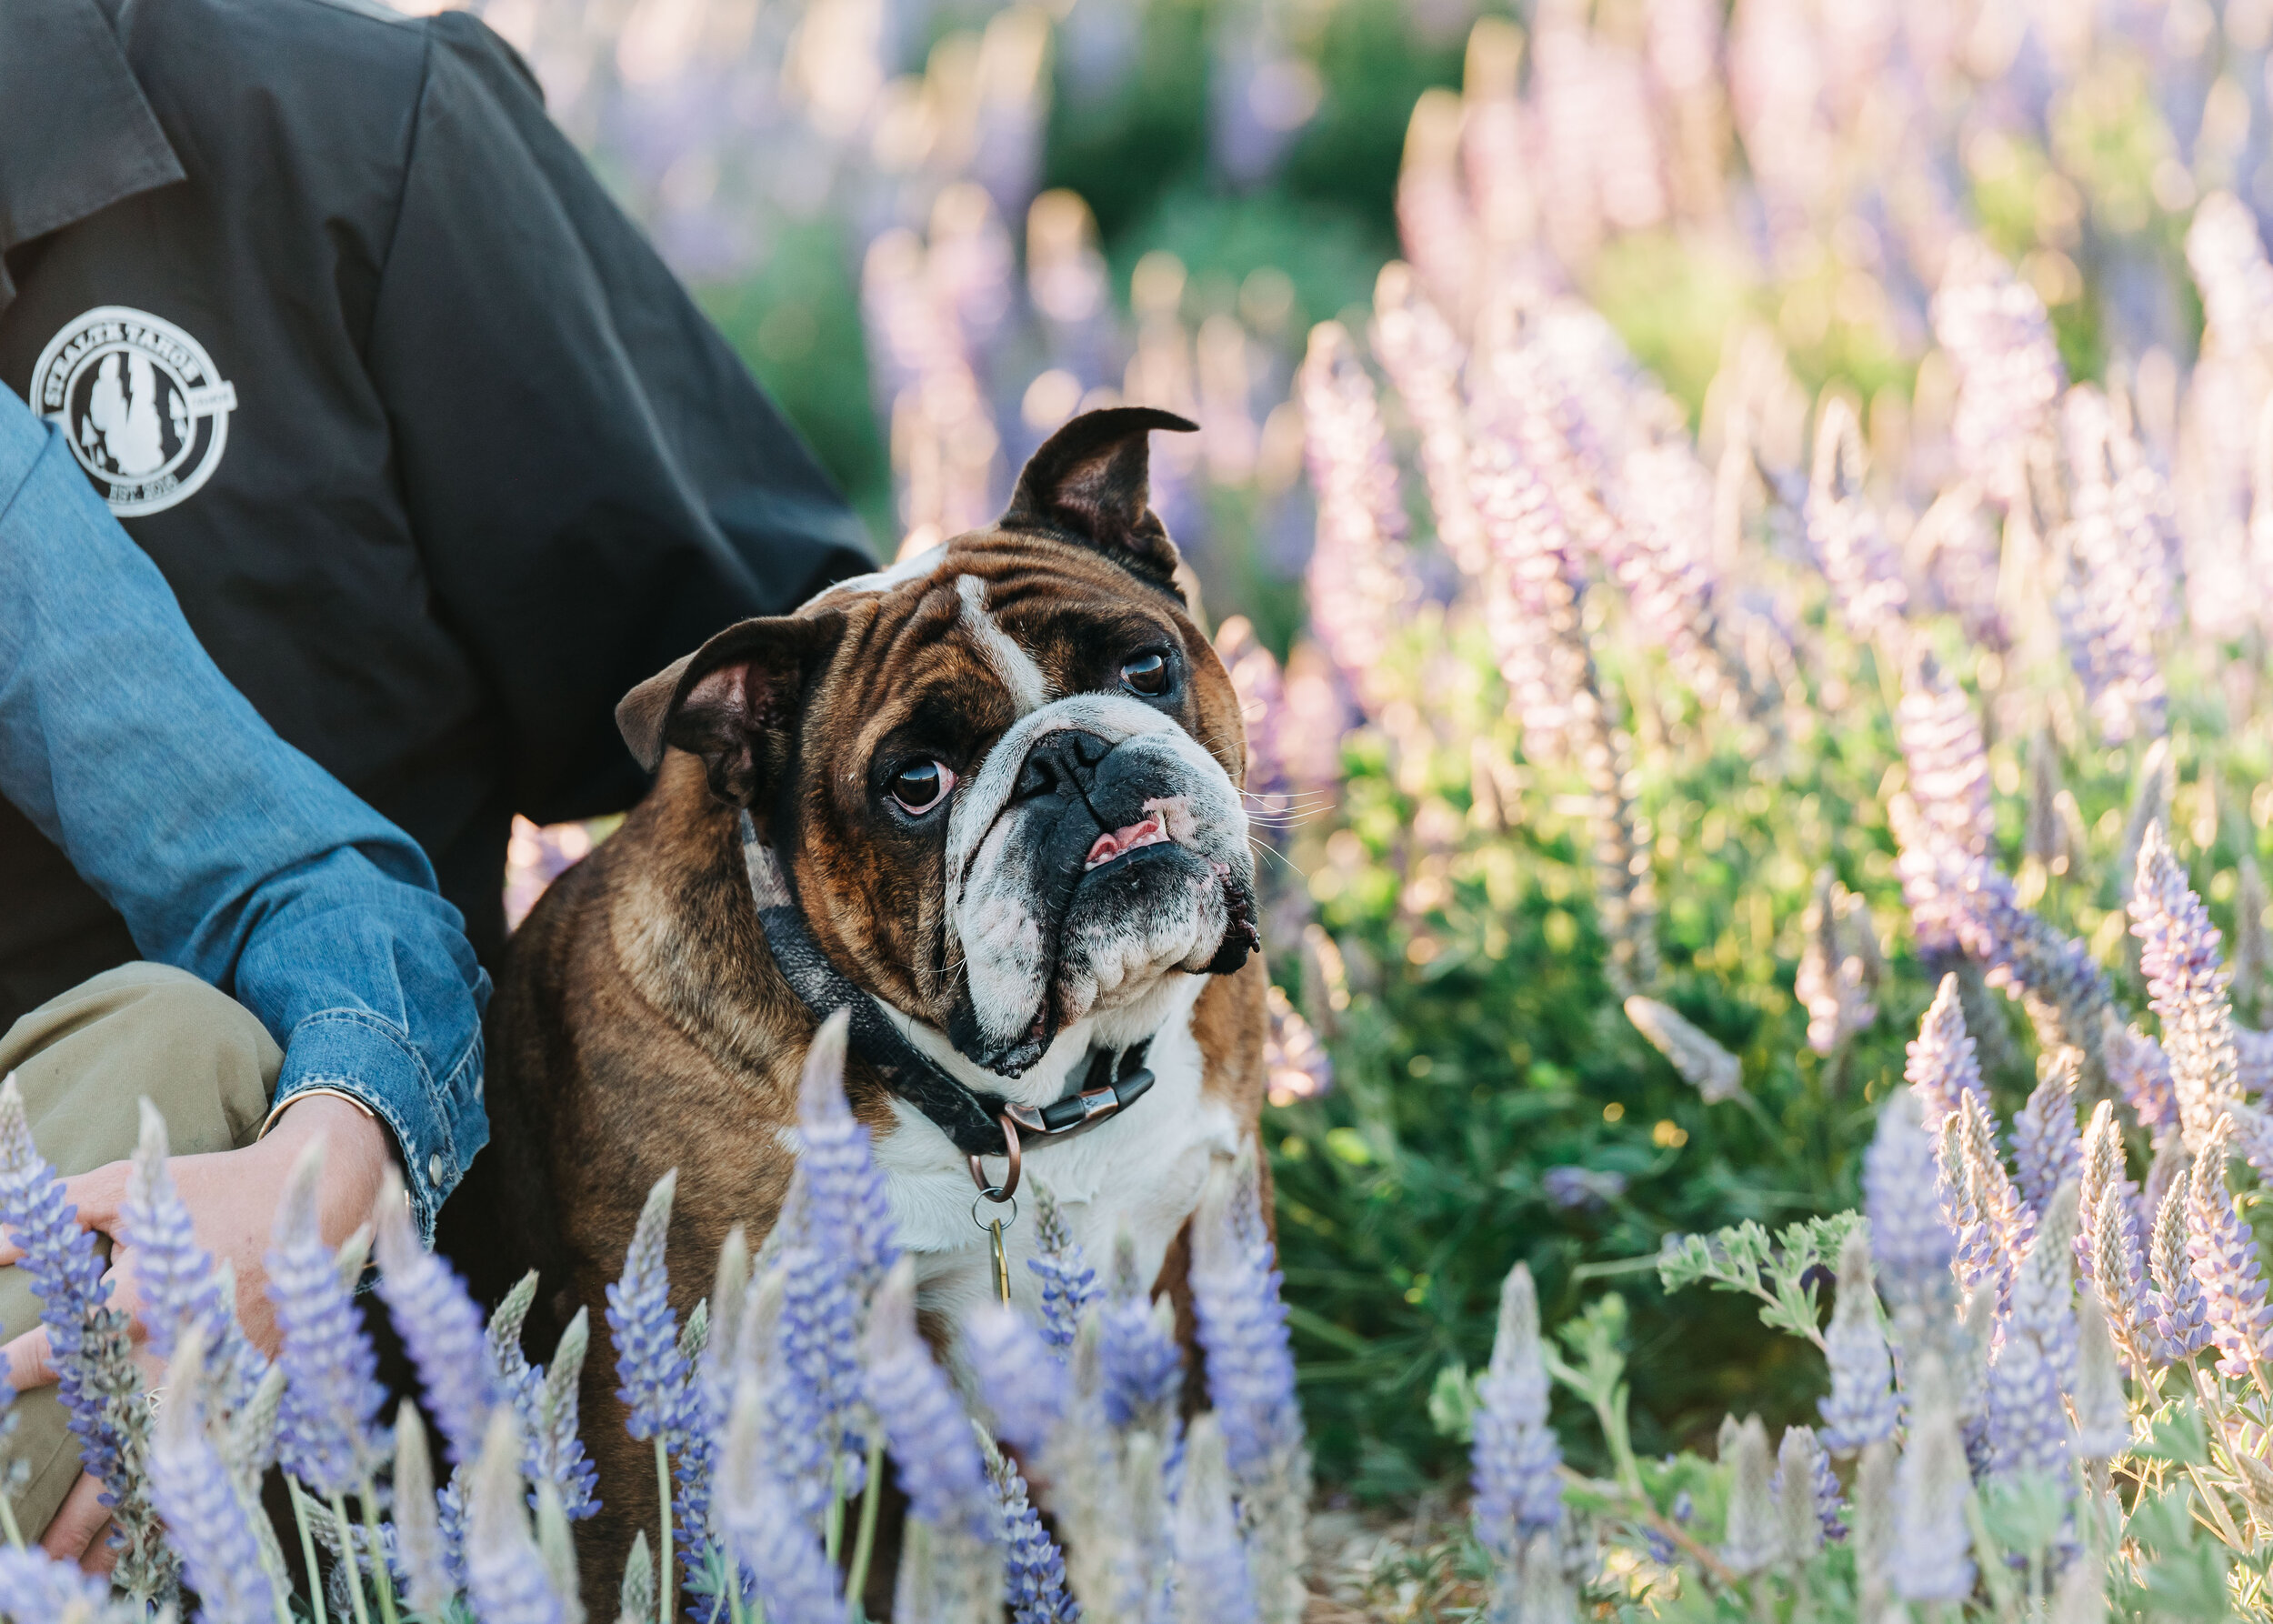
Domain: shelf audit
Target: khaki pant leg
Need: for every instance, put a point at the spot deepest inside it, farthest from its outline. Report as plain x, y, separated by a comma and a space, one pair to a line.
83, 1061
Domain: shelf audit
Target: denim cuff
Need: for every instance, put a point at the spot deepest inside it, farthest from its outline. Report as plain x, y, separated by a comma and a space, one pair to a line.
352, 1053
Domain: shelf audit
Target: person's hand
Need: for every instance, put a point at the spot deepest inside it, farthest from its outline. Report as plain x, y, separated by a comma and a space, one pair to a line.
232, 1198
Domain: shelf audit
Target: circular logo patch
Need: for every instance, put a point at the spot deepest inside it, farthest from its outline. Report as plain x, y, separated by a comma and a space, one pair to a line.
139, 400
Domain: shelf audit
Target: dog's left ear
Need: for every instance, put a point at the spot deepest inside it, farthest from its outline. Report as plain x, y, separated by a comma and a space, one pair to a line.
734, 702
1090, 485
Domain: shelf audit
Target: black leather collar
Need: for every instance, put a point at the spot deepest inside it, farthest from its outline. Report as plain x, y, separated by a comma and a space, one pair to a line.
1110, 1082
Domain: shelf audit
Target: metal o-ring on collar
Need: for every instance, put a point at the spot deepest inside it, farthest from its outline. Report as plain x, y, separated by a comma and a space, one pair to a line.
988, 1223
1007, 1189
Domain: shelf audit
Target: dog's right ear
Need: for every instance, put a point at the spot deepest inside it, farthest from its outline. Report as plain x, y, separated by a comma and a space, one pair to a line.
732, 702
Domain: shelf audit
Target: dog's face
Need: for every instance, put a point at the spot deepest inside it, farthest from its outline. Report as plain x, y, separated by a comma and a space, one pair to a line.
1002, 777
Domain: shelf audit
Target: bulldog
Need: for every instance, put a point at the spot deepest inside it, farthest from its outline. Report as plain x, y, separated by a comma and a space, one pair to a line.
988, 799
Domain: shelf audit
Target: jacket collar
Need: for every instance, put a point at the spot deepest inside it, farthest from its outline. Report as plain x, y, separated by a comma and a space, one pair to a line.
77, 133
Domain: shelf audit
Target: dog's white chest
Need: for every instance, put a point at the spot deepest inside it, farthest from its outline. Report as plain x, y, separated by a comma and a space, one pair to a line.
1142, 1170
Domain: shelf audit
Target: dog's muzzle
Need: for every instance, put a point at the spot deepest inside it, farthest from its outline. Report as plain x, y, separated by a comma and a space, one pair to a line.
1110, 861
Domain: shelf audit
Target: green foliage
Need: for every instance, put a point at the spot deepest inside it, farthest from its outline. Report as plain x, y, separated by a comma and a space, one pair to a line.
1782, 1273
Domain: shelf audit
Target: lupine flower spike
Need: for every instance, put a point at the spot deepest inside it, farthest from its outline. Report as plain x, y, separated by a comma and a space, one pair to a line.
1251, 1380
2224, 1253
1931, 1555
205, 1510
1861, 1408
651, 1370
2185, 982
332, 1394
417, 1528
1518, 1490
797, 1583
179, 1279
1069, 1284
1034, 1568
88, 1343
940, 1467
507, 1576
440, 1327
1754, 1540
1212, 1584
1144, 1365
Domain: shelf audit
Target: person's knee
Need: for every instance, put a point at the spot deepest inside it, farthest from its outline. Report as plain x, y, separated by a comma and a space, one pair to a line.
145, 1030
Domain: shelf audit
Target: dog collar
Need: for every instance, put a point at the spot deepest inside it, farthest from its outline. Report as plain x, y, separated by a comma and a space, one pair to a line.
1110, 1082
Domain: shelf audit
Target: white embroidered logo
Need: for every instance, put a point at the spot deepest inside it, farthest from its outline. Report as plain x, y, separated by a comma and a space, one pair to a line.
139, 400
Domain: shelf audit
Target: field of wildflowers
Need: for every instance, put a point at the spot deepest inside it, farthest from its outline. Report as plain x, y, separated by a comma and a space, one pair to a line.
1746, 532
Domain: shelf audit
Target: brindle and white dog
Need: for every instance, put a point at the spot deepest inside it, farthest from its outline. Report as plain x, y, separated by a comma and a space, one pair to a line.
1001, 781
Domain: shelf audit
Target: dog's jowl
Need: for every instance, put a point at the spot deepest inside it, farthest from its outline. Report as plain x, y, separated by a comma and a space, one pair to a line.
988, 801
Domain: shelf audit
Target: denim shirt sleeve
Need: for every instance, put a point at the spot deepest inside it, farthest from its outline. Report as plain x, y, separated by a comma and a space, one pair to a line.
228, 852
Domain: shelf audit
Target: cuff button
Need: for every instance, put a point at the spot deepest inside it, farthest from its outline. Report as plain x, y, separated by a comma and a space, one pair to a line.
434, 1166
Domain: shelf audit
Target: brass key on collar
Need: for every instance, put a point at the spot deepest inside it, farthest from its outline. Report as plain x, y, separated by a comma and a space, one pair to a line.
1005, 1193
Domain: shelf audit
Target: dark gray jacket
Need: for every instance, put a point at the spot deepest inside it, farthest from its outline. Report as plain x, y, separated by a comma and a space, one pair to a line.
439, 457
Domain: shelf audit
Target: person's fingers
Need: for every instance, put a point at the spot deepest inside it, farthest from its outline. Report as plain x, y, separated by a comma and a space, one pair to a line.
79, 1523
123, 1280
97, 1195
31, 1362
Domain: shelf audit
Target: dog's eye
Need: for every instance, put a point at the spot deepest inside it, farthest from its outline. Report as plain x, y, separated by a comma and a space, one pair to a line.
1147, 673
921, 784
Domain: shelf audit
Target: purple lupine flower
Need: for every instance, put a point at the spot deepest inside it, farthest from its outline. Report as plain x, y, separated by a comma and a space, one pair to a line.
1803, 1517
2047, 1148
816, 1334
1838, 966
930, 1436
796, 1582
1753, 1539
1995, 328
1144, 1363
1243, 1328
2186, 983
1862, 1406
1211, 1565
1359, 578
1034, 1568
1998, 1235
1019, 1376
648, 1364
2118, 540
332, 1394
418, 1524
1942, 1066
441, 1328
1532, 590
2182, 1321
1575, 1188
2103, 1416
506, 1578
1931, 1558
178, 1279
1423, 356
67, 1275
1946, 759
2028, 1427
205, 1510
1234, 1286
35, 1585
1844, 530
1069, 1284
2224, 1254
1910, 1244
555, 1452
1661, 557
2044, 1284
2099, 1170
2117, 1262
1519, 1492
843, 1184
2055, 976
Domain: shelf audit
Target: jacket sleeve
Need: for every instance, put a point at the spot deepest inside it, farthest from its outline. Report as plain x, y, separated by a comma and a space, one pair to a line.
597, 482
228, 852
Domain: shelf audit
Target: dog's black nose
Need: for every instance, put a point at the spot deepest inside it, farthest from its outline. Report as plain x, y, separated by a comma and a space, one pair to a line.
1062, 764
